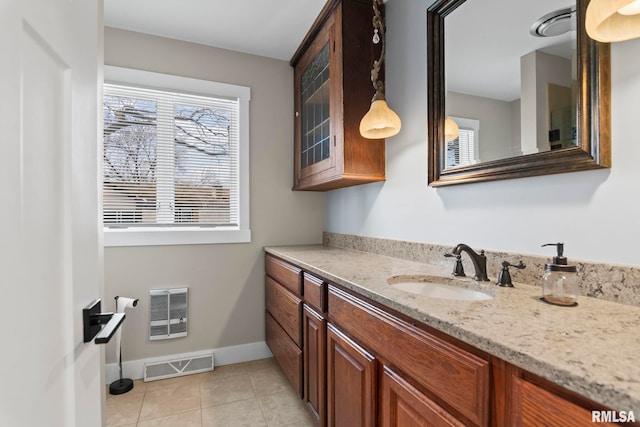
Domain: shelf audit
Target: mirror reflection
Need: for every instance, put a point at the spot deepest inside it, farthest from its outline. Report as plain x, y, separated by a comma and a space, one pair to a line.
511, 80
507, 105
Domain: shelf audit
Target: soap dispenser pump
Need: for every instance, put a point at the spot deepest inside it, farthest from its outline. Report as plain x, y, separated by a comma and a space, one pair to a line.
560, 280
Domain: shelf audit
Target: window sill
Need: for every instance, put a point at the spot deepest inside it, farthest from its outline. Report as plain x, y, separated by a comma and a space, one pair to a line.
184, 236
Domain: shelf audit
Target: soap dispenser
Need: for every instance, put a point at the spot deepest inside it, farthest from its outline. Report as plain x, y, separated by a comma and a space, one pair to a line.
560, 280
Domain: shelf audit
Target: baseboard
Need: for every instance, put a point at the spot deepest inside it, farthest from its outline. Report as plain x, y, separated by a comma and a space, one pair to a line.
221, 356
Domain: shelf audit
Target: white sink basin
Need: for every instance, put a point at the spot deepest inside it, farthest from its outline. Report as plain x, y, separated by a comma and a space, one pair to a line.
429, 287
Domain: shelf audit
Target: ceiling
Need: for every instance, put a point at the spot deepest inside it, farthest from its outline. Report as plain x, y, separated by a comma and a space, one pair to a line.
267, 28
492, 34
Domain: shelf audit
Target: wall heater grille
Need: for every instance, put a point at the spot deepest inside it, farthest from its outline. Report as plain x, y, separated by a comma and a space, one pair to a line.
168, 313
178, 368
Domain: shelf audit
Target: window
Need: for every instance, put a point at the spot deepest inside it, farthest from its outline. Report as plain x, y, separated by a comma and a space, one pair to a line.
175, 160
462, 151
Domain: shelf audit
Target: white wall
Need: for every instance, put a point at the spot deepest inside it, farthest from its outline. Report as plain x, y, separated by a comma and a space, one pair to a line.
226, 282
595, 213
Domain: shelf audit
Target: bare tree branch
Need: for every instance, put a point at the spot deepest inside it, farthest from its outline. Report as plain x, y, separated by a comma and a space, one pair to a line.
130, 138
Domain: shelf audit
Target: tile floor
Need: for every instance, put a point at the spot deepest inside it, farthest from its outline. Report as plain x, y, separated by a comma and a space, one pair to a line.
246, 394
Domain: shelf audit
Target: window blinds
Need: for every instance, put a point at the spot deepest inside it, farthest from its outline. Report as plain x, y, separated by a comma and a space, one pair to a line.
466, 141
170, 159
461, 151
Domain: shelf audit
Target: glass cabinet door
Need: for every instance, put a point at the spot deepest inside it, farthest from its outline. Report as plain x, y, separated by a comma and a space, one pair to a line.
332, 91
315, 115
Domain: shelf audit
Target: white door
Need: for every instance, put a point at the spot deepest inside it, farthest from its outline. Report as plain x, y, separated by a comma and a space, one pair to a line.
50, 256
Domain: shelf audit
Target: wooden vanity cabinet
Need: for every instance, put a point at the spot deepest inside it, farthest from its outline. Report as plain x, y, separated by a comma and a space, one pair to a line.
314, 332
286, 352
446, 383
536, 401
315, 362
357, 363
283, 317
351, 382
333, 91
533, 405
401, 404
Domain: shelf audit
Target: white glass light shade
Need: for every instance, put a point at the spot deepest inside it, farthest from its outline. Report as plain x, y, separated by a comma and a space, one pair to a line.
380, 121
613, 20
450, 130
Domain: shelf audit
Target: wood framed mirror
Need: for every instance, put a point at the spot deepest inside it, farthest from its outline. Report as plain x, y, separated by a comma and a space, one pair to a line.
545, 134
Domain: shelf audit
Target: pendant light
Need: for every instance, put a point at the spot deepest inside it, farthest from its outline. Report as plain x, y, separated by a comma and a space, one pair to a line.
613, 20
380, 121
451, 130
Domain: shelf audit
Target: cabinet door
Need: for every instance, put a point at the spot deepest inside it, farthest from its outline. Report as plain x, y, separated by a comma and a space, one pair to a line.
402, 405
315, 363
459, 379
317, 88
535, 406
351, 382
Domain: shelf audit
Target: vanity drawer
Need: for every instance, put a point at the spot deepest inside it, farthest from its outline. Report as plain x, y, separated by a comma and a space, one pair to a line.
314, 292
288, 355
285, 307
285, 274
457, 378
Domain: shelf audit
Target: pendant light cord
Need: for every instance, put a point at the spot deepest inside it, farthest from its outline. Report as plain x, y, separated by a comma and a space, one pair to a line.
378, 36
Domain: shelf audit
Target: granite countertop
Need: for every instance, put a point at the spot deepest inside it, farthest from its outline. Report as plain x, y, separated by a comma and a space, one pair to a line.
592, 349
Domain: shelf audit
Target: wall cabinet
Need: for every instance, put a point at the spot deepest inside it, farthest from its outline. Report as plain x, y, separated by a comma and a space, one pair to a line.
333, 91
356, 363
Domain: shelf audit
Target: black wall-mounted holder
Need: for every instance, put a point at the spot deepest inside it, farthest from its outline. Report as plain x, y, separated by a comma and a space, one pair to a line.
93, 319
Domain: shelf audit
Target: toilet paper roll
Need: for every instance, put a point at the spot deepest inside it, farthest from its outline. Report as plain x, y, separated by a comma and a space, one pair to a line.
122, 303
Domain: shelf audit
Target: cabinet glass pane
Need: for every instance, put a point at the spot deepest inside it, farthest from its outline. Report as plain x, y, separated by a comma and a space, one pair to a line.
315, 141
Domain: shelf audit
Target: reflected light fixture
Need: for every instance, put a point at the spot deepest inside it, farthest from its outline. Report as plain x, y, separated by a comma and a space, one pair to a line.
380, 121
451, 130
613, 20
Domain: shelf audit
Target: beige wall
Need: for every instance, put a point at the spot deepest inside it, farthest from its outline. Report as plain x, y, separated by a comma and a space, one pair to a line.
538, 70
495, 119
225, 281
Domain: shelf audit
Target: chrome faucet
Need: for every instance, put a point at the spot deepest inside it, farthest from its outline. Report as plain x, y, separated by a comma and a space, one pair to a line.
479, 262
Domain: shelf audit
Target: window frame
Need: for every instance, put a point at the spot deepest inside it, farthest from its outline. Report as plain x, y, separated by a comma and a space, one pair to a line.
181, 235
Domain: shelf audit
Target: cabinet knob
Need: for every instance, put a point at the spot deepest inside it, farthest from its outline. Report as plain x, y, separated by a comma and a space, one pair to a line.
297, 114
